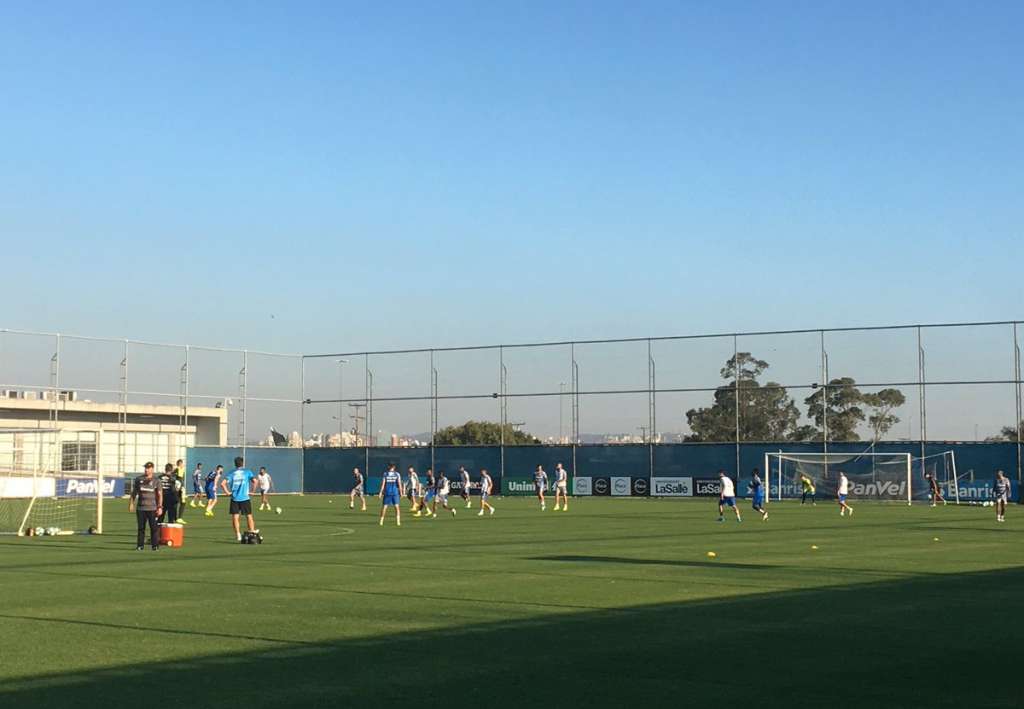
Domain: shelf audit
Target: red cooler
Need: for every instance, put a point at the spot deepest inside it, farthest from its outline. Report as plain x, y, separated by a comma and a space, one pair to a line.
172, 535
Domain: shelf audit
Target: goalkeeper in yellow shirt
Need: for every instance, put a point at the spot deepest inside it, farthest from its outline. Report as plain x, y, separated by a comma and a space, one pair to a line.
807, 486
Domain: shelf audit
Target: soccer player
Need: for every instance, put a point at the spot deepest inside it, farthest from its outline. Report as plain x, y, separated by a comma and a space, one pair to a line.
464, 477
807, 485
540, 485
561, 487
486, 484
1001, 489
727, 497
412, 489
197, 485
441, 490
933, 489
390, 495
357, 490
212, 480
168, 482
429, 493
757, 494
844, 490
179, 473
265, 483
147, 503
240, 481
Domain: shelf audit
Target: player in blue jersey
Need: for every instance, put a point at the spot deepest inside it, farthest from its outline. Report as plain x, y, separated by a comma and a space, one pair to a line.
540, 485
756, 488
1001, 491
198, 481
391, 491
429, 492
441, 490
357, 490
486, 485
238, 483
561, 487
212, 480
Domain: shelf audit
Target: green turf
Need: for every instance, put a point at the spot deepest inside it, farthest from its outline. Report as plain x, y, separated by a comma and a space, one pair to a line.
613, 603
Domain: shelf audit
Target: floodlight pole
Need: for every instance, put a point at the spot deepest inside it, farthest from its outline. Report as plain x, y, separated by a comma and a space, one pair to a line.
824, 402
1019, 398
922, 401
736, 399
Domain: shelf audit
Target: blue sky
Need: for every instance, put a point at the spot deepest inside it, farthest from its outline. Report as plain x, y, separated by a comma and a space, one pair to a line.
385, 175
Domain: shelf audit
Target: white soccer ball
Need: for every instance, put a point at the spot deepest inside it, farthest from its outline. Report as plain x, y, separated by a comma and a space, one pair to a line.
40, 531
277, 510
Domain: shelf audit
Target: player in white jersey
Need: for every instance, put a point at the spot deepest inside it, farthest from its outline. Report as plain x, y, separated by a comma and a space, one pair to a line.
486, 484
561, 487
412, 489
441, 493
264, 483
1001, 491
843, 490
727, 497
358, 490
540, 485
464, 479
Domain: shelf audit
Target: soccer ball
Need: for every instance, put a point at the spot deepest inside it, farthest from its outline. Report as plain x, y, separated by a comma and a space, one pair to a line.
277, 510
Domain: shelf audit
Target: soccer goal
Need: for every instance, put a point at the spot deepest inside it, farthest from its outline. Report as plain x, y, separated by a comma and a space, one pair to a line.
872, 476
43, 488
942, 468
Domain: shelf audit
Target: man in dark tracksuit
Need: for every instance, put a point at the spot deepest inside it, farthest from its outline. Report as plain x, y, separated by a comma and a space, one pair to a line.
169, 487
147, 503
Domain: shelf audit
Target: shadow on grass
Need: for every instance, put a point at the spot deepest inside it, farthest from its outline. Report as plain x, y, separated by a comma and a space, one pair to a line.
867, 645
649, 562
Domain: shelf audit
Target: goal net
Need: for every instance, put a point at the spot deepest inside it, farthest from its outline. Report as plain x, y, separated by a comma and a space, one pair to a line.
942, 468
872, 476
42, 487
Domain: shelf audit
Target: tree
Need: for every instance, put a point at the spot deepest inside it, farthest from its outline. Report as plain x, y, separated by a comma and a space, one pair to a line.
843, 410
882, 404
766, 412
1006, 433
482, 433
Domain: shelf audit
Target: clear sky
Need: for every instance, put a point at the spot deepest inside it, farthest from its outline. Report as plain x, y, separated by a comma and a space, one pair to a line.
331, 176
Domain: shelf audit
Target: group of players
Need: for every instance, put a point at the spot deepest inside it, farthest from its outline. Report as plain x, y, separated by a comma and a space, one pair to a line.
727, 495
160, 499
424, 495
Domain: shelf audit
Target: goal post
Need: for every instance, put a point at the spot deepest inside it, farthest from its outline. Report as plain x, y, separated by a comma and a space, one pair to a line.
50, 479
872, 476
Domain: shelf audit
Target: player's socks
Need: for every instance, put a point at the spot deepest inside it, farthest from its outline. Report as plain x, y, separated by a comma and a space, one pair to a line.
398, 522
851, 511
492, 510
381, 521
764, 516
238, 537
453, 512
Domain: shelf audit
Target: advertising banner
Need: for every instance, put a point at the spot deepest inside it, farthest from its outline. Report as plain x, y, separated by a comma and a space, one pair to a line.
602, 486
583, 486
621, 487
672, 487
86, 487
707, 487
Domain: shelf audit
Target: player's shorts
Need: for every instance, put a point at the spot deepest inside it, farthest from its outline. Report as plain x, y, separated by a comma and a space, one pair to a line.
562, 487
442, 497
729, 501
197, 488
264, 491
758, 501
484, 496
392, 498
430, 495
465, 491
842, 498
538, 488
1004, 498
358, 489
211, 491
241, 507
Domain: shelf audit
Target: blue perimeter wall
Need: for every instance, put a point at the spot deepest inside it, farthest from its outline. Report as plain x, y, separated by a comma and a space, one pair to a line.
329, 470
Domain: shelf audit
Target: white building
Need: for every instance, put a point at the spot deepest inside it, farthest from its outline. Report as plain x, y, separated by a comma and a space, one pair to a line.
38, 434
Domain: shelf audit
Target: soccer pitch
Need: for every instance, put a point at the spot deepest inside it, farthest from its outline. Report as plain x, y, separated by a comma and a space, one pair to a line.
615, 602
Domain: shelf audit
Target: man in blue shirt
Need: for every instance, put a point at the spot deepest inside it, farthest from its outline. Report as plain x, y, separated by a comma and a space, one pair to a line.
391, 494
238, 484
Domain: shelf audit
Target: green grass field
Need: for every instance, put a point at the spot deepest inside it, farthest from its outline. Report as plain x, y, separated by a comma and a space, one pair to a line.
613, 603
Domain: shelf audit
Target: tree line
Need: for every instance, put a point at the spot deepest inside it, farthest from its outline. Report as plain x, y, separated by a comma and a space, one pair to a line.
768, 413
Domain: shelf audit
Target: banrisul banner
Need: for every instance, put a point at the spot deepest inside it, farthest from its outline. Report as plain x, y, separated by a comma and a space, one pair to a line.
671, 487
86, 487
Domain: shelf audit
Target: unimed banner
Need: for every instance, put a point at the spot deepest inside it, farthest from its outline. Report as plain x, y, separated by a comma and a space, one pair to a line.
521, 486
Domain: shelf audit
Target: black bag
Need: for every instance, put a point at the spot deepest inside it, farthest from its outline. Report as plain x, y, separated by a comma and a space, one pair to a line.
252, 537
